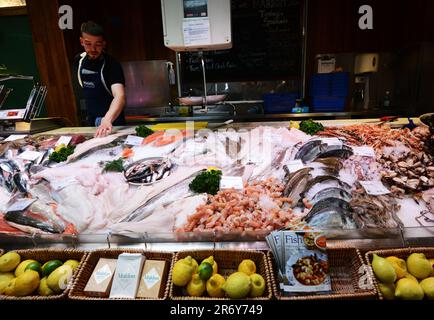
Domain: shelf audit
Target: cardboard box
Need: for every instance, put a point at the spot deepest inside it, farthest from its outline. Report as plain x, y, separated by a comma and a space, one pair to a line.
127, 276
100, 281
151, 279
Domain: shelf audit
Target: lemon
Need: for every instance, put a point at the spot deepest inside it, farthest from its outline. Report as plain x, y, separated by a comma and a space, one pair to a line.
399, 265
214, 286
407, 289
387, 290
247, 266
258, 285
72, 263
59, 147
182, 272
432, 264
195, 265
428, 287
383, 269
50, 266
44, 289
294, 124
212, 262
22, 266
26, 283
419, 266
5, 278
59, 278
9, 261
237, 285
10, 288
410, 277
196, 287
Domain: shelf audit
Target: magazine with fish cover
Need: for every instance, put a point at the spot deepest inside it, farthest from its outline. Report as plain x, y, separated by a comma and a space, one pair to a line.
148, 171
306, 263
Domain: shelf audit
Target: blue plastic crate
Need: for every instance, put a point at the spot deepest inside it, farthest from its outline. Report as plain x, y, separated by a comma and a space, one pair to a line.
279, 102
330, 84
328, 103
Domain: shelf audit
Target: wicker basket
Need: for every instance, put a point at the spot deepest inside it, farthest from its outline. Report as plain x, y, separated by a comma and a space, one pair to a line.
77, 291
346, 270
227, 261
402, 253
44, 255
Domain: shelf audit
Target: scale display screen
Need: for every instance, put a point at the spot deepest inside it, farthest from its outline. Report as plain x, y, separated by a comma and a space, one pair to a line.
195, 8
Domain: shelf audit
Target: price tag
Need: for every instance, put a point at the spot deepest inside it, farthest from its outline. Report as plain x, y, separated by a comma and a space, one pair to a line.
295, 165
134, 140
227, 182
364, 151
30, 155
14, 137
20, 205
375, 188
63, 140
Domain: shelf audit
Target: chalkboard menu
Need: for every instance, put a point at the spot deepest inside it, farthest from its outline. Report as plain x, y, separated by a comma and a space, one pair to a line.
266, 37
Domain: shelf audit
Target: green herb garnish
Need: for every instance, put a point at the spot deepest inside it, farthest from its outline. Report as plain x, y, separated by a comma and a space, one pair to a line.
208, 181
143, 131
62, 154
311, 127
114, 166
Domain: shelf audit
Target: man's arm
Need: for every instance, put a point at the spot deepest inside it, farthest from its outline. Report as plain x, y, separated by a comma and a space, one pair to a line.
116, 107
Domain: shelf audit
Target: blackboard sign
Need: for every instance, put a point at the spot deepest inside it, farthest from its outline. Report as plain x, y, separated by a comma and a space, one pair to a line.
266, 37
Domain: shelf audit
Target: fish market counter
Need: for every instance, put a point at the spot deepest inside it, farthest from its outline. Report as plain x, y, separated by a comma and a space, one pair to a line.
364, 185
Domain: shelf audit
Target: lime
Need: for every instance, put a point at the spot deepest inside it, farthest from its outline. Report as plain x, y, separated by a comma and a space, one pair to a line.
50, 266
35, 265
205, 270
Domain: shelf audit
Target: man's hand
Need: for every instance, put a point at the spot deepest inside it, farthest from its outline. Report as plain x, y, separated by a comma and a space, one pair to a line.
104, 129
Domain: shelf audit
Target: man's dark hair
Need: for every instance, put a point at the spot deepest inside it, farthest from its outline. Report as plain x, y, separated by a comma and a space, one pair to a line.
92, 28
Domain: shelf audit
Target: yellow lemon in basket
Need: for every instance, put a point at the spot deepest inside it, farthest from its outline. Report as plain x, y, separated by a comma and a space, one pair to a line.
399, 265
247, 266
212, 262
387, 290
26, 283
22, 266
9, 261
258, 285
383, 269
407, 289
5, 278
237, 285
419, 266
10, 288
182, 272
196, 287
432, 265
195, 265
411, 277
58, 279
72, 263
428, 287
214, 286
44, 289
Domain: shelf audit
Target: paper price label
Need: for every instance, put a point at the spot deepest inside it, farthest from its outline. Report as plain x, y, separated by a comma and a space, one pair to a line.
14, 137
20, 205
30, 155
227, 182
63, 140
374, 188
295, 165
364, 151
134, 140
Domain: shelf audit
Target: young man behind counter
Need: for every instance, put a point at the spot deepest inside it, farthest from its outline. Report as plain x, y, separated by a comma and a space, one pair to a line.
101, 81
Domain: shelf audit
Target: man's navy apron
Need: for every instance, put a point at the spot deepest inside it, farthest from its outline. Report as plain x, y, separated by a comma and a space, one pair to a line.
96, 95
